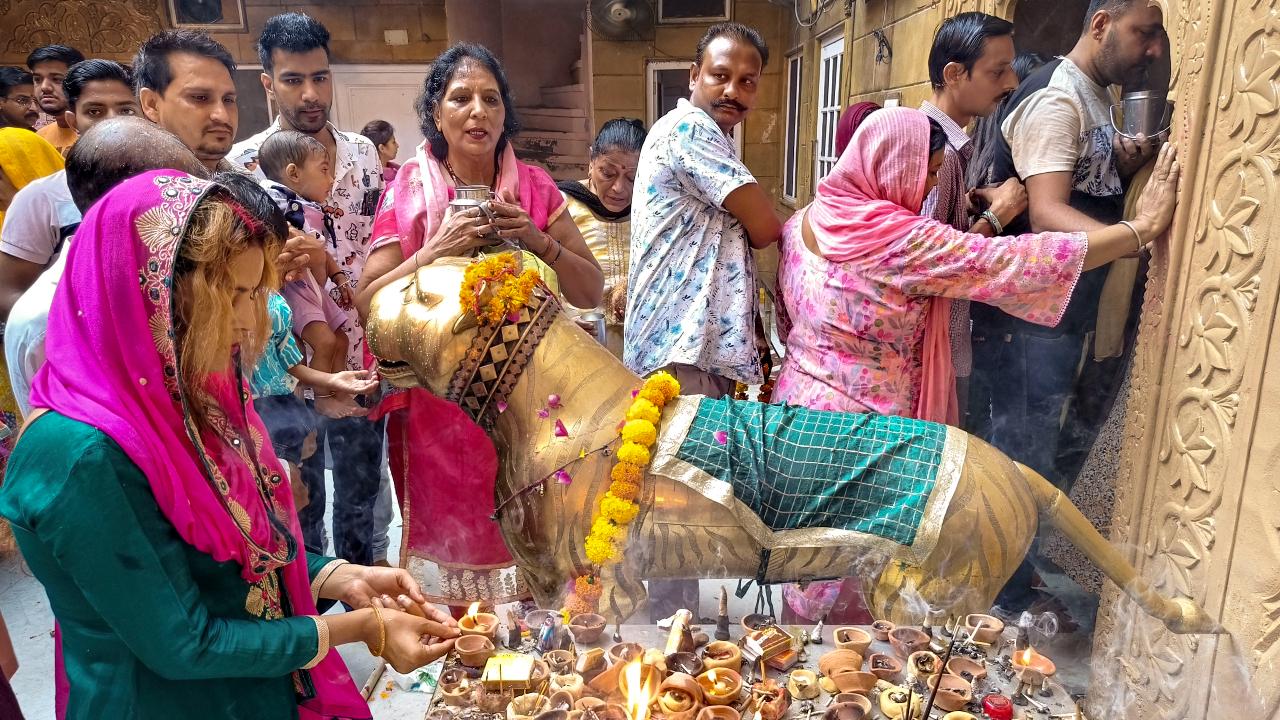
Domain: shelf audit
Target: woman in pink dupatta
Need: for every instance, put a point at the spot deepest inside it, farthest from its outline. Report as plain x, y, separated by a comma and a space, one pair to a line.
442, 462
145, 496
868, 282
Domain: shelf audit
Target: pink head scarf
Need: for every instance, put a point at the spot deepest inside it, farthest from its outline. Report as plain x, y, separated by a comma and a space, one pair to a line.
850, 120
871, 200
111, 364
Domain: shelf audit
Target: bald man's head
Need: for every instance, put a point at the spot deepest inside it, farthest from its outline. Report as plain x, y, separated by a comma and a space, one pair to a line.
117, 149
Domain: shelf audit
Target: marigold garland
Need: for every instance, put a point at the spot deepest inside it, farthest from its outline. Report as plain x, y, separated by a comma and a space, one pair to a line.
497, 277
618, 506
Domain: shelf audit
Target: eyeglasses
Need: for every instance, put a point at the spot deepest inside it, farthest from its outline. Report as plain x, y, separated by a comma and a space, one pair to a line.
22, 100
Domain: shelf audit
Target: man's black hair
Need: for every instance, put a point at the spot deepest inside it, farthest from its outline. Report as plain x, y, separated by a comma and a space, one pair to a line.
282, 148
58, 53
291, 32
11, 77
87, 71
151, 67
437, 82
961, 39
733, 31
1115, 7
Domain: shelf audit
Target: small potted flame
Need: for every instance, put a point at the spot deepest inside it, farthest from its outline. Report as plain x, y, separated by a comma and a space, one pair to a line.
479, 623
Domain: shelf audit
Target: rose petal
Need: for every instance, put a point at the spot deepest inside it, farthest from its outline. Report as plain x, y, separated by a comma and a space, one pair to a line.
560, 429
502, 407
553, 401
722, 437
563, 477
514, 316
544, 413
635, 393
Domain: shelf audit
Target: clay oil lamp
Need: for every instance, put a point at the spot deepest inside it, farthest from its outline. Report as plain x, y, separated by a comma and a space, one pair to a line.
556, 714
755, 621
478, 623
907, 640
685, 662
985, 629
922, 665
959, 715
440, 713
1031, 664
953, 692
623, 653
562, 700
490, 700
587, 702
639, 686
455, 687
839, 659
720, 686
848, 710
535, 618
803, 685
885, 667
587, 627
474, 650
679, 697
560, 661
852, 638
526, 707
894, 702
718, 712
570, 682
722, 654
541, 673
854, 698
880, 629
848, 680
770, 699
970, 670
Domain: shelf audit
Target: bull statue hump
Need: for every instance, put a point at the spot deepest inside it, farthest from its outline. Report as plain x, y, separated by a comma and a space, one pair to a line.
924, 515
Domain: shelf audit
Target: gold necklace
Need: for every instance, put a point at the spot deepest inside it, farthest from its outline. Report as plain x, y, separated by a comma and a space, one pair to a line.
457, 182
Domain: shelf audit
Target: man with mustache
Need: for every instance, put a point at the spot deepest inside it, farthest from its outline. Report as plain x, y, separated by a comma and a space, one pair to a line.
971, 71
185, 86
18, 106
1056, 135
49, 65
294, 51
696, 214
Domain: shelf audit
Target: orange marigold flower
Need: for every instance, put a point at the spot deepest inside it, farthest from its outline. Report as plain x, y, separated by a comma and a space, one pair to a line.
626, 473
625, 490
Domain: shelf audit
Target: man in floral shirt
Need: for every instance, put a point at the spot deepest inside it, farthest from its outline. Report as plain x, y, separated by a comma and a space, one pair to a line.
294, 50
692, 302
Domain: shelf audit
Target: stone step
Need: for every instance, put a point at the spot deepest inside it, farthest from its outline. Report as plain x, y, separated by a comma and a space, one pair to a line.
565, 96
560, 112
536, 119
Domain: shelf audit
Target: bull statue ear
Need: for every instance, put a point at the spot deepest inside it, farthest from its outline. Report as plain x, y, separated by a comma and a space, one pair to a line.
465, 322
415, 292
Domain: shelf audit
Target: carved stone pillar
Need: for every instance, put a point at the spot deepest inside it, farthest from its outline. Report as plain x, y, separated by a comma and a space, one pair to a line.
1198, 496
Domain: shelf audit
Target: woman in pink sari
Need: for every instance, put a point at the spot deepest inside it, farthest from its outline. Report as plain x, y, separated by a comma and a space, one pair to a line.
440, 460
867, 281
146, 498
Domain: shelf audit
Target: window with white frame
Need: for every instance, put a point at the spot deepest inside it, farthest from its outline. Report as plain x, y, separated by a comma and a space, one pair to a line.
791, 140
830, 102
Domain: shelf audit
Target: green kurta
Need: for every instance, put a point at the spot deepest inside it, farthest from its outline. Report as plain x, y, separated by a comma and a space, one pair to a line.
151, 627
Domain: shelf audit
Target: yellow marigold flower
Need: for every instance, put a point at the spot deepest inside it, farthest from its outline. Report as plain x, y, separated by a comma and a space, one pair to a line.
633, 453
600, 551
665, 383
642, 409
653, 395
641, 432
625, 490
603, 528
618, 510
627, 474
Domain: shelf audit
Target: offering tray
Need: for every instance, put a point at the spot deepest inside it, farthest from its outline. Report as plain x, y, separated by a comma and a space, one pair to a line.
388, 701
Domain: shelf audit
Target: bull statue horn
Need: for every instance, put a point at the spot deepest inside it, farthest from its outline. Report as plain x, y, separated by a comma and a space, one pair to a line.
415, 292
465, 322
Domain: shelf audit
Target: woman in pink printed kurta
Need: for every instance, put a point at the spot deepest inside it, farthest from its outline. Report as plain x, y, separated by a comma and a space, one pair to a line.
860, 309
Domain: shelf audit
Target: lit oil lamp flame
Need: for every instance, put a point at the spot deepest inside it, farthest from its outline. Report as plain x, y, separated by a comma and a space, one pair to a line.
471, 611
1024, 657
639, 694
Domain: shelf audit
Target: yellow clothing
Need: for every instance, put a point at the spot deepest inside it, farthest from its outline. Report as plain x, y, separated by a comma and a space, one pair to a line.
25, 156
61, 138
610, 243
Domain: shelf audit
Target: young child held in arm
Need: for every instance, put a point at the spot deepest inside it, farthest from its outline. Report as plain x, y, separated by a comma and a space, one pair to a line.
299, 175
275, 378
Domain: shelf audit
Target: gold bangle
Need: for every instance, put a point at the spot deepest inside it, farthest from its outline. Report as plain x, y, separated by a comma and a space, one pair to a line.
325, 573
322, 642
382, 631
1136, 235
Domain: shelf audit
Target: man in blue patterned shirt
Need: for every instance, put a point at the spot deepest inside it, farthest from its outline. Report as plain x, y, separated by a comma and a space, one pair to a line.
696, 213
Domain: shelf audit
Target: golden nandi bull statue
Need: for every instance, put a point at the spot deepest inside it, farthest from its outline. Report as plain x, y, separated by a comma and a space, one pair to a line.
975, 522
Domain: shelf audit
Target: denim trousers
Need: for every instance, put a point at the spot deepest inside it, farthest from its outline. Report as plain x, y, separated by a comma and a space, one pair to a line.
355, 452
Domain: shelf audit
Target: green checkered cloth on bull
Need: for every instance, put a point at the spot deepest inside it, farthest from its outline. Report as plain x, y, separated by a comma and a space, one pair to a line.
800, 468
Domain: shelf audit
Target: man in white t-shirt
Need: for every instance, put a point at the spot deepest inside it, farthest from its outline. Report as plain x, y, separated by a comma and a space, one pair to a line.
1056, 136
101, 158
42, 214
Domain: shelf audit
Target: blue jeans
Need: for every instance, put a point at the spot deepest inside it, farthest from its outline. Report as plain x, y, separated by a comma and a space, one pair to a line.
356, 451
1025, 381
